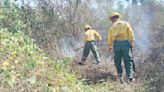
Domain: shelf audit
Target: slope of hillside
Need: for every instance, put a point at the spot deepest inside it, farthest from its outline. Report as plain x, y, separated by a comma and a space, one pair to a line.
26, 68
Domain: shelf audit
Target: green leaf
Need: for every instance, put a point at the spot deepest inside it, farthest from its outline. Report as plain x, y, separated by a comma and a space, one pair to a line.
2, 16
30, 64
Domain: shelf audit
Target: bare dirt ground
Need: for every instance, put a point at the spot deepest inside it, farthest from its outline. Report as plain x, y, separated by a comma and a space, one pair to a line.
92, 73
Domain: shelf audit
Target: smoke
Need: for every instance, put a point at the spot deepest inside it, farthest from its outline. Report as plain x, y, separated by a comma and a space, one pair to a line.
68, 46
140, 18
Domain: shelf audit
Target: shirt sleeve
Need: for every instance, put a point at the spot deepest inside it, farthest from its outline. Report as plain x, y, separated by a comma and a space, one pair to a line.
130, 33
110, 38
97, 35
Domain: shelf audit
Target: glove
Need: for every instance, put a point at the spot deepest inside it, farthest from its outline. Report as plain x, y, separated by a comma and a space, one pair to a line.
110, 49
132, 44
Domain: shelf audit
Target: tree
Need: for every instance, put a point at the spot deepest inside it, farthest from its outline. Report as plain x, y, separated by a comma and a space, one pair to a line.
135, 2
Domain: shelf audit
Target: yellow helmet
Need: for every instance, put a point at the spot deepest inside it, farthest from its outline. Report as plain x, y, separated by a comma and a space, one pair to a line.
87, 27
114, 14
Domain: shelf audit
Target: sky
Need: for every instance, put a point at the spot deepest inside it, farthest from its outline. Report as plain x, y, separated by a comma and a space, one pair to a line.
25, 1
115, 6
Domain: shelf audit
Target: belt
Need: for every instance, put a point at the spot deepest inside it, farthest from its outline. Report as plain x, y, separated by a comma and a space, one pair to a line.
91, 41
121, 40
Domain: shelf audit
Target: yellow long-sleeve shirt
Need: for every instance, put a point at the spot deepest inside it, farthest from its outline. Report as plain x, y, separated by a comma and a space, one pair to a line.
91, 35
120, 30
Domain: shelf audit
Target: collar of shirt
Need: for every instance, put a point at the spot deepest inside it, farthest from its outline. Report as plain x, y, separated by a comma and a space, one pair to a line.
117, 21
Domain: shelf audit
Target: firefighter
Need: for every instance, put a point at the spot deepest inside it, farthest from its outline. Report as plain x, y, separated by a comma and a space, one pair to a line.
121, 41
90, 38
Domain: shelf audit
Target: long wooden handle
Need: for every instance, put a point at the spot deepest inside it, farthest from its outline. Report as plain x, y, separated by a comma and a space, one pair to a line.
78, 48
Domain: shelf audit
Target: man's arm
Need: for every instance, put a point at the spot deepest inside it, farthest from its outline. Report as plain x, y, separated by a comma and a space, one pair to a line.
110, 39
98, 35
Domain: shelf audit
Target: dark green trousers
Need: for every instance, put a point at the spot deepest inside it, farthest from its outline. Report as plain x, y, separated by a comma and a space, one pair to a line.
90, 45
122, 49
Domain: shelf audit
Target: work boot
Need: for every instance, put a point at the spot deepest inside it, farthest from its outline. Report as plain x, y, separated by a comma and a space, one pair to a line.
96, 63
121, 80
82, 63
132, 79
129, 80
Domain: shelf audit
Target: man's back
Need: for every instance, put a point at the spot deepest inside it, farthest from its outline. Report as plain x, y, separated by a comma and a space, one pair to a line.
91, 35
120, 30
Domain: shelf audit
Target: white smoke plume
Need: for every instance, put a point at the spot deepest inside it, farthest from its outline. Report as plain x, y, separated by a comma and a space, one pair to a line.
140, 18
68, 46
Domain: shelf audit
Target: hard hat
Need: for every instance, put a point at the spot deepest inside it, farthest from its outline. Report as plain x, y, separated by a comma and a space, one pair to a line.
114, 14
87, 27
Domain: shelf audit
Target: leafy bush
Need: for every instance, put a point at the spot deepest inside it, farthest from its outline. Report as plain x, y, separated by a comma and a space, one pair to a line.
26, 67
